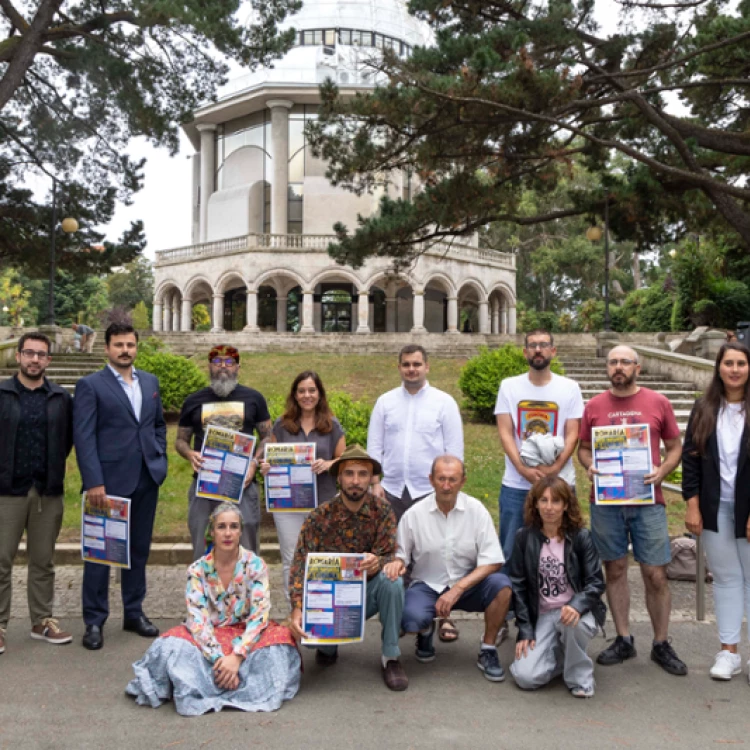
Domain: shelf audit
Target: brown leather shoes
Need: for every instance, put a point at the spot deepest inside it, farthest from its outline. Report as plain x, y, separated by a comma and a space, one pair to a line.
394, 676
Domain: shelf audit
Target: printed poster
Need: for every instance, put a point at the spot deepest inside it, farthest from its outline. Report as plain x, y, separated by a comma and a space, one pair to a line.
229, 414
622, 456
105, 532
537, 417
290, 483
335, 598
226, 458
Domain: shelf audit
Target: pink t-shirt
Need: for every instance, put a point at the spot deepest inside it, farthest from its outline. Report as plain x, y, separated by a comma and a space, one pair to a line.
555, 590
645, 407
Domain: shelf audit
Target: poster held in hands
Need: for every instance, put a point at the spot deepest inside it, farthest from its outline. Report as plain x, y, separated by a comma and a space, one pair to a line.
226, 455
622, 456
105, 532
334, 600
290, 482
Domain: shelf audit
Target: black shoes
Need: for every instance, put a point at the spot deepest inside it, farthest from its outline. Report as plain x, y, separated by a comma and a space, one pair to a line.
93, 639
141, 625
664, 655
324, 659
618, 651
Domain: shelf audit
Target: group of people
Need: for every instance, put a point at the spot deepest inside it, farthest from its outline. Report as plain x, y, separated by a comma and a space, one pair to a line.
429, 549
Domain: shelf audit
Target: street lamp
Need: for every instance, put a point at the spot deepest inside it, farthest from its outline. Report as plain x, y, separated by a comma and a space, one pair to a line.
594, 234
68, 226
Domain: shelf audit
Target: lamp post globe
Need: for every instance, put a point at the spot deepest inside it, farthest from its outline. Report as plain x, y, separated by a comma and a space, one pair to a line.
593, 234
69, 225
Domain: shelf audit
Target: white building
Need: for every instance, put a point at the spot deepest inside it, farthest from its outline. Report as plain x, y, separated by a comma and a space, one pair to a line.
263, 210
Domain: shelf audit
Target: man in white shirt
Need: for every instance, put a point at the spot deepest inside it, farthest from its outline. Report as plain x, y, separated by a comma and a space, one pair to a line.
410, 426
450, 541
537, 402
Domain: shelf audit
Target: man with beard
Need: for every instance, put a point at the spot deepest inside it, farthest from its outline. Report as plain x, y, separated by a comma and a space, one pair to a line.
227, 404
613, 527
36, 439
537, 402
356, 521
121, 446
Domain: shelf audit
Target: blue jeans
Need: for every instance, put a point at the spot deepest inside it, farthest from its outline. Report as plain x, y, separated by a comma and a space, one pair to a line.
511, 517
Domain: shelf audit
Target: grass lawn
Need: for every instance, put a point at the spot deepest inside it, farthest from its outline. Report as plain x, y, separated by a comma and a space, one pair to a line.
362, 377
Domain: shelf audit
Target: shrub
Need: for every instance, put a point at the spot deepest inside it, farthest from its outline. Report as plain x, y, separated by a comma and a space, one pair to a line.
201, 318
481, 377
140, 317
178, 377
151, 345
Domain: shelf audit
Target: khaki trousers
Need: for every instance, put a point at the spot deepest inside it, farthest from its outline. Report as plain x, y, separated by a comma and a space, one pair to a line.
41, 518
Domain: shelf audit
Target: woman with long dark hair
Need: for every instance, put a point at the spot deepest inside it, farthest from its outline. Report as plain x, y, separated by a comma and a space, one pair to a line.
716, 488
307, 418
557, 591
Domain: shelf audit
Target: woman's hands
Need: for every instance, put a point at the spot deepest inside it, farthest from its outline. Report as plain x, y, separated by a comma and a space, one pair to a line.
226, 670
694, 519
320, 466
522, 648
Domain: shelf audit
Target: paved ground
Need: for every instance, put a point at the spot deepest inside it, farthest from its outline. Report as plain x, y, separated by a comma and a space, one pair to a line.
66, 697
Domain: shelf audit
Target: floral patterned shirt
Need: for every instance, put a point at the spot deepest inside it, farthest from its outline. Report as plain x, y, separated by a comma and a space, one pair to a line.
334, 528
210, 605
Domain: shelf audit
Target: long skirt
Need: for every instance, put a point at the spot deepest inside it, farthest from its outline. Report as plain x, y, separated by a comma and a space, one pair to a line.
175, 669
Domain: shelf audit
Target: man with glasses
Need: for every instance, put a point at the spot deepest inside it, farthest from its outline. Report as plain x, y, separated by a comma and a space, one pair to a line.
227, 404
36, 438
614, 527
537, 402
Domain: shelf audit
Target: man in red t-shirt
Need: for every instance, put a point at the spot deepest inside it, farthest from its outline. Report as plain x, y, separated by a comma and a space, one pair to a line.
645, 526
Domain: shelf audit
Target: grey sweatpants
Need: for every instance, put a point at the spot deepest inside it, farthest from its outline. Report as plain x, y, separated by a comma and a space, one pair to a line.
559, 650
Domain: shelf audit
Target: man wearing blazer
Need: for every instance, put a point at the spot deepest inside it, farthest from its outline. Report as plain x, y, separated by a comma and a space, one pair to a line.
121, 442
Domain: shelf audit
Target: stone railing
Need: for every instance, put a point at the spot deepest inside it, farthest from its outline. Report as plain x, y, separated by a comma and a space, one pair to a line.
682, 367
258, 243
8, 353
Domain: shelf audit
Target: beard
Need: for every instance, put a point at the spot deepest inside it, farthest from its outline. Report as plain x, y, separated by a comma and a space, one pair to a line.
621, 380
223, 384
539, 362
354, 494
31, 375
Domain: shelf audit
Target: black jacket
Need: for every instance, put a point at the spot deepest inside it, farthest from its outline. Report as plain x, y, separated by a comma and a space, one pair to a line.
59, 434
582, 565
701, 475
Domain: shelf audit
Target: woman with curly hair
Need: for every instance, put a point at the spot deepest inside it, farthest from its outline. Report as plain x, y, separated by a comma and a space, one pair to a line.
557, 591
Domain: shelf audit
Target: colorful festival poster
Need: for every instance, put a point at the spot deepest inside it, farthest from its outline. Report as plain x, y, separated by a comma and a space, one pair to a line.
290, 483
335, 597
226, 455
537, 417
105, 532
622, 456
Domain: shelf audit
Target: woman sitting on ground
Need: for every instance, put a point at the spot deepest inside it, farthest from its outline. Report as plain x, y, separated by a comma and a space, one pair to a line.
557, 588
228, 653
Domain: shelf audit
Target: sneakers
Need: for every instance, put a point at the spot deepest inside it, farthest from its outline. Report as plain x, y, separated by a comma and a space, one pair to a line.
663, 654
582, 692
618, 651
425, 651
489, 662
726, 665
502, 634
2, 640
50, 631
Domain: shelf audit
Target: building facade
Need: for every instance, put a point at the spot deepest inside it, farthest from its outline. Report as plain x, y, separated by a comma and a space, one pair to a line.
263, 210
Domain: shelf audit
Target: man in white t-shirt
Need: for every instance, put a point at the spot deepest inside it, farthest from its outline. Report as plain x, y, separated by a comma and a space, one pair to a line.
537, 402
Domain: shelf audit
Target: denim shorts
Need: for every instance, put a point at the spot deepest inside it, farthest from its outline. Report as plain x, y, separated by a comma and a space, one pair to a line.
645, 526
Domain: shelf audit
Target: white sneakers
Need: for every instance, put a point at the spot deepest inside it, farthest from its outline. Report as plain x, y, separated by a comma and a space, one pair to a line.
726, 665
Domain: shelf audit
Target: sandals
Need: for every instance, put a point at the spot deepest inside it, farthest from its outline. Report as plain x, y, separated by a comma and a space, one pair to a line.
447, 630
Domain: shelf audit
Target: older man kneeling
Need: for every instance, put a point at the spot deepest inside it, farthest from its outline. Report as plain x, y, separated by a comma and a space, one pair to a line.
450, 540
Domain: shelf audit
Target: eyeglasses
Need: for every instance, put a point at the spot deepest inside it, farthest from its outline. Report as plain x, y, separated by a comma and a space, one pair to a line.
226, 361
625, 362
543, 345
31, 354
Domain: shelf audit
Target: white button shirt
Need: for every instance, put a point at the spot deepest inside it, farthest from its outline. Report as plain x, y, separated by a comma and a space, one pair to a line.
445, 549
408, 432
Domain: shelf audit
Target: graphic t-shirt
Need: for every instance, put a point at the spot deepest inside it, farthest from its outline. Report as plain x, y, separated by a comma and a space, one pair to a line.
555, 590
645, 407
537, 409
241, 410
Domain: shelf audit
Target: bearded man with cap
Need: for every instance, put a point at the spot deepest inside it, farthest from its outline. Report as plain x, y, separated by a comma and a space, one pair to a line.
224, 403
356, 521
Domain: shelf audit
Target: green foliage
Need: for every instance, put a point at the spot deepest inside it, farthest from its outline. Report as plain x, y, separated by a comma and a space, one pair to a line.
77, 300
646, 310
201, 318
14, 299
178, 377
131, 284
151, 345
141, 318
482, 375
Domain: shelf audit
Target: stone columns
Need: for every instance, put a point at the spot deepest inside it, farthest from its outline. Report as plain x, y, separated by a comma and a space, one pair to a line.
281, 314
175, 313
308, 325
156, 317
251, 310
167, 316
495, 327
187, 315
280, 153
208, 172
390, 314
512, 319
504, 318
317, 315
218, 316
452, 315
363, 312
418, 312
484, 318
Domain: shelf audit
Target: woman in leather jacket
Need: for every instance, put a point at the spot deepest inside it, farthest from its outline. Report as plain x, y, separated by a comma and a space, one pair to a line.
557, 588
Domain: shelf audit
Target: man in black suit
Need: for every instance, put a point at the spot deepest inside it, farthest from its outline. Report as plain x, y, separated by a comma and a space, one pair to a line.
121, 443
